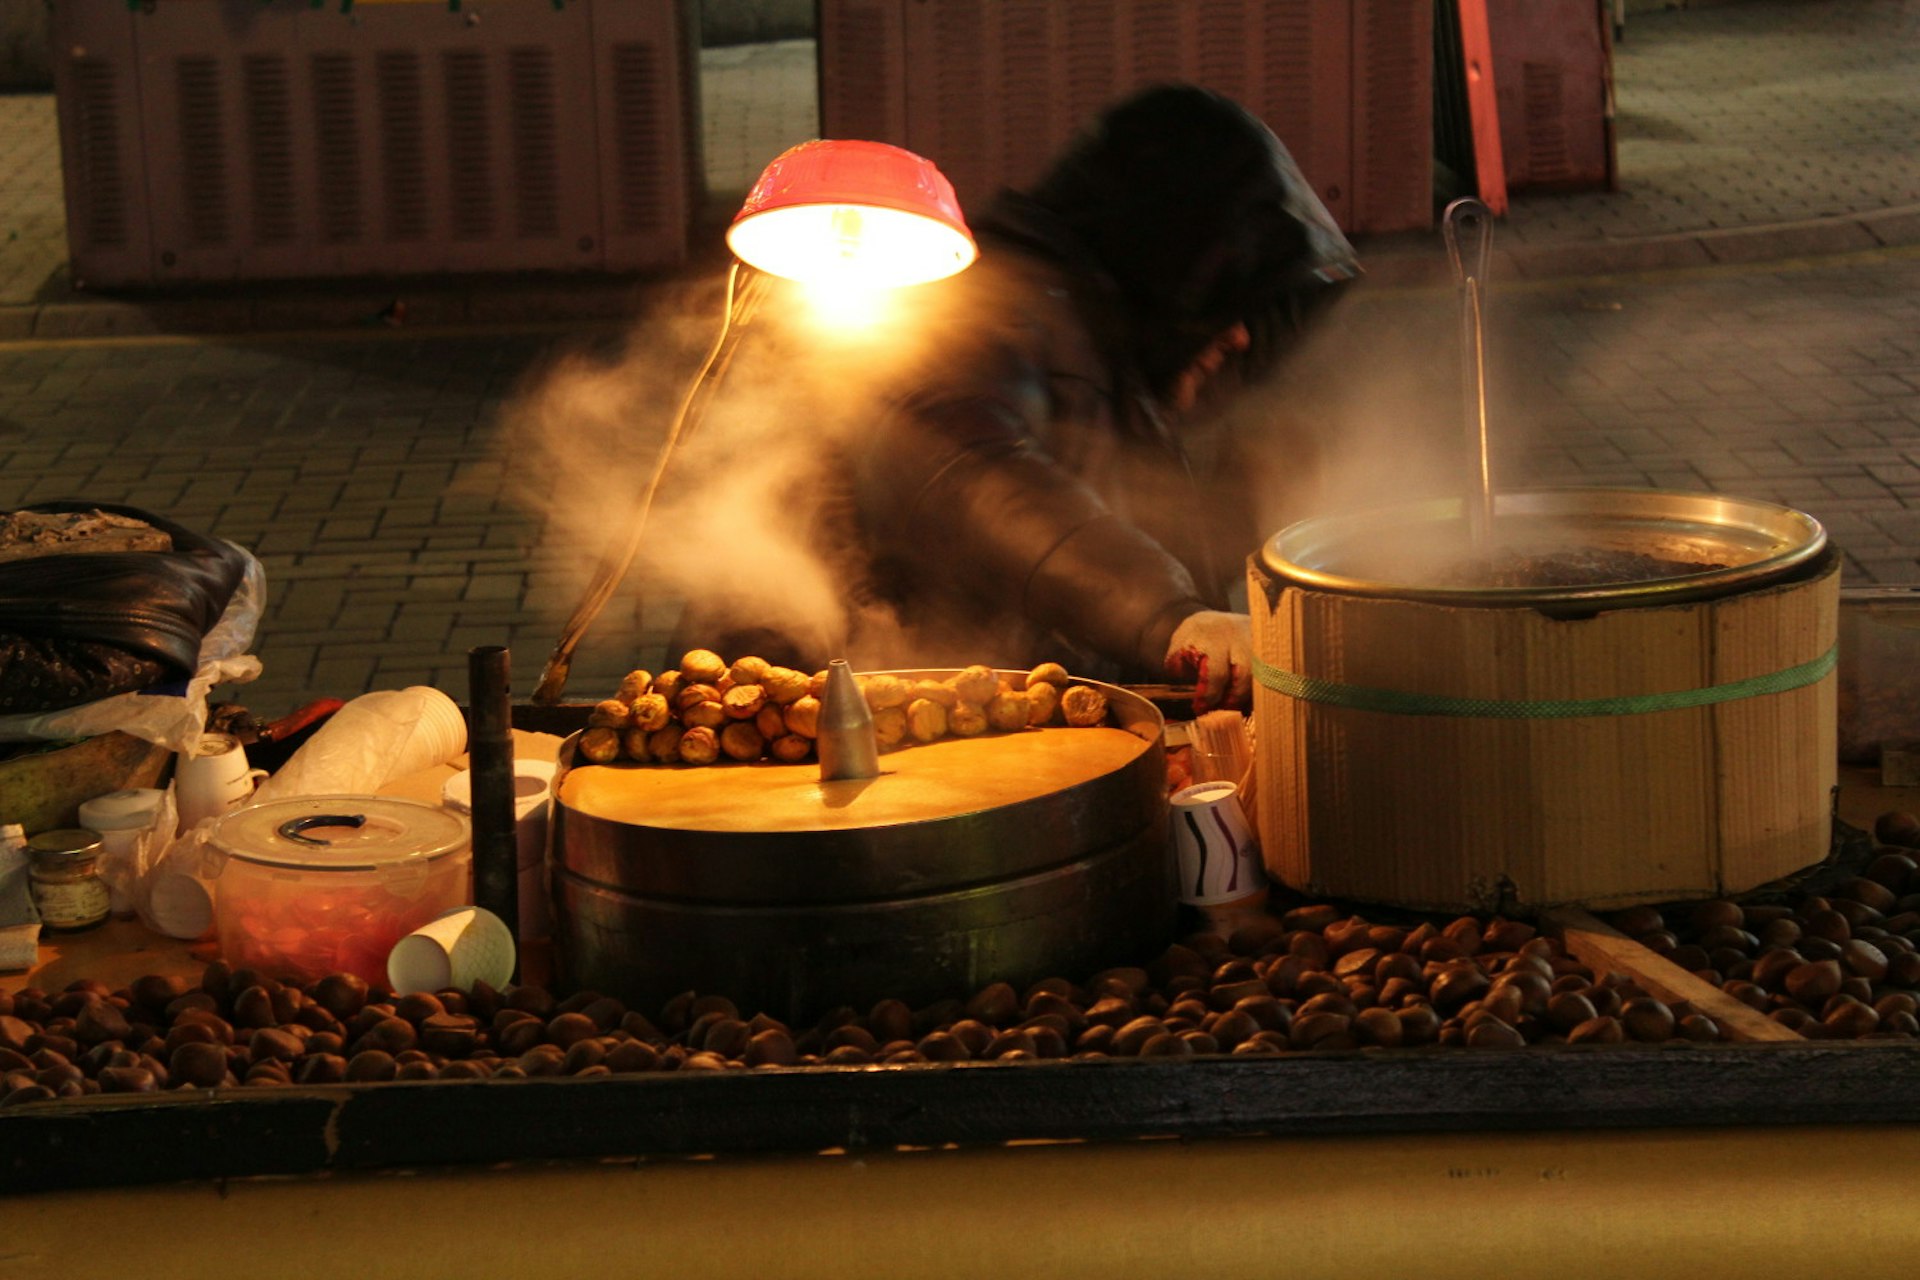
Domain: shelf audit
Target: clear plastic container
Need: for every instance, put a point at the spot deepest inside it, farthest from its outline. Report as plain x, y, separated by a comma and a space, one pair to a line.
318, 884
1879, 672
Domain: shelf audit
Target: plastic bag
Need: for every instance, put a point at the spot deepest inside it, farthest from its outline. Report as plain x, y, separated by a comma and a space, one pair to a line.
173, 715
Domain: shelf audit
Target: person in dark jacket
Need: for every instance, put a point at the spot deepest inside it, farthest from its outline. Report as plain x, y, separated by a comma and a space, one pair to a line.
1033, 484
1023, 488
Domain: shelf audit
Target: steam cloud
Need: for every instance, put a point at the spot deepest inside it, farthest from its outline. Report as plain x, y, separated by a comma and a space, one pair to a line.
1366, 413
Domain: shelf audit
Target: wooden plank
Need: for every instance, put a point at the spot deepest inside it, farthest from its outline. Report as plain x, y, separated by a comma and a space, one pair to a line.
1604, 948
131, 1139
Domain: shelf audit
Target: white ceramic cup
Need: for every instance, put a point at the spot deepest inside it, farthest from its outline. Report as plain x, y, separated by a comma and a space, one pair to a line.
454, 949
1216, 853
213, 780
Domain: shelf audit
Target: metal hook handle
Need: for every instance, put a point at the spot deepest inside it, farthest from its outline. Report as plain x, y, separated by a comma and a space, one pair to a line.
293, 827
1464, 218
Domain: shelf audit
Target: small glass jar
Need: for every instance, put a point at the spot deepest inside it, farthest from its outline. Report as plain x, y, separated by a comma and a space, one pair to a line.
65, 876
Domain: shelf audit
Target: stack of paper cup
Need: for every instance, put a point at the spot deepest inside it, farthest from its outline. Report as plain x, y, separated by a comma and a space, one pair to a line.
125, 822
532, 792
439, 733
454, 949
373, 740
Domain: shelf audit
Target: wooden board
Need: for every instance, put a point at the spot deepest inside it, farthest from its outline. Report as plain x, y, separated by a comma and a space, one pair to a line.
1603, 948
922, 783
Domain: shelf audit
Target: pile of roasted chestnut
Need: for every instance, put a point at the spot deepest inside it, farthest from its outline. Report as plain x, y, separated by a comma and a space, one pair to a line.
1840, 965
1315, 978
708, 710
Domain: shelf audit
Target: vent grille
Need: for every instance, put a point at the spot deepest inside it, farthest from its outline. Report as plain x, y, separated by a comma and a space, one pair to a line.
1543, 93
265, 89
1026, 66
1287, 81
1393, 116
1087, 64
469, 145
336, 143
400, 99
535, 126
406, 141
641, 197
856, 71
101, 187
960, 75
1220, 47
1157, 32
203, 152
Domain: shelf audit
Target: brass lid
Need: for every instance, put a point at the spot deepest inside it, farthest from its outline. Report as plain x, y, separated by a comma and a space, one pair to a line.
64, 847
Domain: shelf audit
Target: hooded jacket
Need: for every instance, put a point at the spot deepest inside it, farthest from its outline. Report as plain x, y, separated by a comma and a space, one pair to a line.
1028, 498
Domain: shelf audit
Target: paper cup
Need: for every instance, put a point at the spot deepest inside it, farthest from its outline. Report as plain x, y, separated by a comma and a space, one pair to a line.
454, 949
532, 792
177, 896
180, 904
1216, 852
439, 733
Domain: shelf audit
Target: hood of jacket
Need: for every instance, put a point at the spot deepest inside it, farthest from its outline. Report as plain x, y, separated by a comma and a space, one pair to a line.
1192, 216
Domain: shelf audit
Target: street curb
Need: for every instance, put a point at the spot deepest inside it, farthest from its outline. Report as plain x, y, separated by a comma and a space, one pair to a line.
1416, 259
1407, 259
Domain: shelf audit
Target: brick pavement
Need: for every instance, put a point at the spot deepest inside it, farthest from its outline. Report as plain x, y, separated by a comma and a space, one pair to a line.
364, 470
362, 465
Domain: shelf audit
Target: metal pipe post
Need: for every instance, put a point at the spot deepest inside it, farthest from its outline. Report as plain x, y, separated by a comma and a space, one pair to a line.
496, 845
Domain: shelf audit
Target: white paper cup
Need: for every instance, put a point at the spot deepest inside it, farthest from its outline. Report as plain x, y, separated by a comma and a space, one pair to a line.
179, 903
439, 733
213, 780
532, 793
454, 949
1217, 855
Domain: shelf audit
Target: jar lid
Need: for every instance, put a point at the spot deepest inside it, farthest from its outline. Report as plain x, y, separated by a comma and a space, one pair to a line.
118, 810
66, 846
339, 833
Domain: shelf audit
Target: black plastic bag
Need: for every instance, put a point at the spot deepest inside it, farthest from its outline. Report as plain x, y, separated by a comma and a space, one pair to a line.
79, 627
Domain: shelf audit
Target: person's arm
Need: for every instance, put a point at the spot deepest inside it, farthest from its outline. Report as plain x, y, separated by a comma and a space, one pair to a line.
960, 488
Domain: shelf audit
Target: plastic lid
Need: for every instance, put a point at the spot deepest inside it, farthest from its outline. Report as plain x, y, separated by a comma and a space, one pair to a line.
118, 810
532, 784
340, 833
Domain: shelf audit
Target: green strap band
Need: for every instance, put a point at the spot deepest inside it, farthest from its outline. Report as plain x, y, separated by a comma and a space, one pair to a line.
1396, 702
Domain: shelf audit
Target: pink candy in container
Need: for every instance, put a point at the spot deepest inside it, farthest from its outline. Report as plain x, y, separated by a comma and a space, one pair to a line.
321, 884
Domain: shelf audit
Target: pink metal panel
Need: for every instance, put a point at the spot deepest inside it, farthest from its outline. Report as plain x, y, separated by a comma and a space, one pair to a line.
104, 168
284, 140
862, 56
1392, 115
1552, 65
647, 118
996, 87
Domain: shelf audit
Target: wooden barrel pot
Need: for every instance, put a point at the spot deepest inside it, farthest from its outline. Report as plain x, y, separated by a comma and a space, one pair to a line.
1486, 751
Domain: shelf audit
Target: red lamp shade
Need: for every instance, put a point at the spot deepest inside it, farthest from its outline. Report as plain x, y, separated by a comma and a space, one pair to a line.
860, 212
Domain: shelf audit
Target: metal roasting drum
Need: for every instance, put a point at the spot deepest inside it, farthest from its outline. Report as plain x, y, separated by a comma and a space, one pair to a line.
967, 861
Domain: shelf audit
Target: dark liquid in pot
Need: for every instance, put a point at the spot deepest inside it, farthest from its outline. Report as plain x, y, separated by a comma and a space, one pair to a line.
1589, 567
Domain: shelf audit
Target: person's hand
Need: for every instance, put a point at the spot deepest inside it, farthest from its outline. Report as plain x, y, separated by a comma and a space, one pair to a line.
1215, 650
